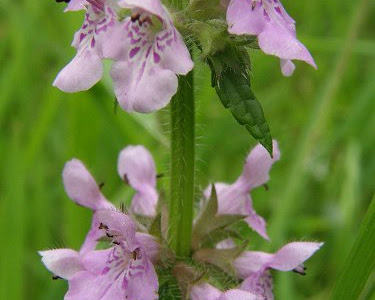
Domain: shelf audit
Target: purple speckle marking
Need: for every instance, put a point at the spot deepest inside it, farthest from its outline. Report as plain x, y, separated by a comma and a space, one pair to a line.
134, 51
156, 57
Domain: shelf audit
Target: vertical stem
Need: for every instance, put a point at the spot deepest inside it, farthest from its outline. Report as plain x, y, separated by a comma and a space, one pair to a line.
182, 167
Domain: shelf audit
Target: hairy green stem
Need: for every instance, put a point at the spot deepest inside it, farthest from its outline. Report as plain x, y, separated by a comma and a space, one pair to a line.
182, 167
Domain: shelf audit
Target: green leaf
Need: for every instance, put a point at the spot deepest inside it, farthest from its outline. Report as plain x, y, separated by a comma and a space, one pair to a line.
208, 223
360, 263
230, 77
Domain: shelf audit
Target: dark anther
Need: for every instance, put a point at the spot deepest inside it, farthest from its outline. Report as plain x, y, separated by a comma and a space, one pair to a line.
135, 17
116, 243
59, 1
135, 255
126, 180
109, 235
160, 175
103, 226
253, 5
55, 277
101, 185
300, 270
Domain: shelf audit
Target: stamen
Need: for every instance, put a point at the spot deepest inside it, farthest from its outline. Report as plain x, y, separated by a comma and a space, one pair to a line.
103, 226
59, 1
126, 180
300, 270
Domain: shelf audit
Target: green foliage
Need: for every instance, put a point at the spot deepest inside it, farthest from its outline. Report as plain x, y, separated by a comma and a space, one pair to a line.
41, 128
360, 265
230, 77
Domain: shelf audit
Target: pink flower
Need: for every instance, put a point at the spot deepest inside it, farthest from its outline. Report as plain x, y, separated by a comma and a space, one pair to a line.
115, 273
136, 166
205, 291
82, 189
123, 271
275, 29
254, 266
235, 198
93, 42
153, 53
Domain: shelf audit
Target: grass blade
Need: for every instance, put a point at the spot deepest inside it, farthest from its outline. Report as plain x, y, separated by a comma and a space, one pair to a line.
361, 261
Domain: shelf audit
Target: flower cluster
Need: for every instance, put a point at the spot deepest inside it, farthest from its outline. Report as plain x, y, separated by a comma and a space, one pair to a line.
126, 269
148, 52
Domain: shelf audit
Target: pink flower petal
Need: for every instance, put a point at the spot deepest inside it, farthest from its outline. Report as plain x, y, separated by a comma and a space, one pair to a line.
84, 71
250, 262
274, 27
204, 291
119, 226
145, 77
258, 165
236, 294
150, 245
293, 254
81, 186
62, 262
136, 165
75, 5
151, 6
151, 92
287, 67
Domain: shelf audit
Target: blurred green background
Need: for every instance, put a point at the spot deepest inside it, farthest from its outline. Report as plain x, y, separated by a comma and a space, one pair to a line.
324, 121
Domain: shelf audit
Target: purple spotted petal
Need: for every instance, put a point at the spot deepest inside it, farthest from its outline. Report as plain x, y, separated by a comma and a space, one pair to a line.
81, 186
94, 42
275, 29
64, 263
137, 167
145, 78
125, 275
